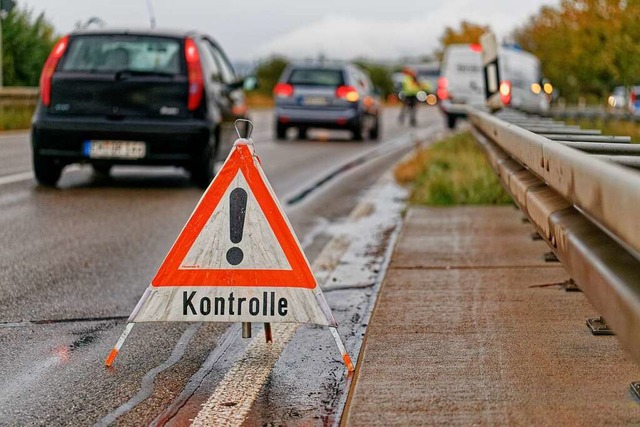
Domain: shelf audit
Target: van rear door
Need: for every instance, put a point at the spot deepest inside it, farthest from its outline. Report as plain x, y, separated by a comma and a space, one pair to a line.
462, 67
522, 70
121, 75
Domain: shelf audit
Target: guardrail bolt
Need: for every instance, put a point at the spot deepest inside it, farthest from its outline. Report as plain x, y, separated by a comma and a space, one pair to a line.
598, 326
571, 286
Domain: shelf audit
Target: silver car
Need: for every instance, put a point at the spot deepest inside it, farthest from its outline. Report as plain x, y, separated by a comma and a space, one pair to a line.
326, 96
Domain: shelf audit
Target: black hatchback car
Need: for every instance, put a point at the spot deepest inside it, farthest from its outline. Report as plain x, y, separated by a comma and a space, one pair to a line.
145, 97
328, 96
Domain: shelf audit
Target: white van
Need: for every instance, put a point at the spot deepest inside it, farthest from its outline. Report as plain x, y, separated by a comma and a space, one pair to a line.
461, 80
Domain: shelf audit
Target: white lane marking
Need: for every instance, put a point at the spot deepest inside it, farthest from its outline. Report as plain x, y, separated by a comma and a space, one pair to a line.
237, 391
16, 177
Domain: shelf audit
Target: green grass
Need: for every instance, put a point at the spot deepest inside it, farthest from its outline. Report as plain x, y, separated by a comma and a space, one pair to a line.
15, 117
611, 127
453, 171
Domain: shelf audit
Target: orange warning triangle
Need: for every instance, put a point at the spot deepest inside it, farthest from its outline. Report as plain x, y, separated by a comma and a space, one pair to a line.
236, 260
265, 253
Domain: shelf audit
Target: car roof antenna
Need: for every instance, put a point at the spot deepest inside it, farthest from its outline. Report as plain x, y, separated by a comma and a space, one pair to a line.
152, 16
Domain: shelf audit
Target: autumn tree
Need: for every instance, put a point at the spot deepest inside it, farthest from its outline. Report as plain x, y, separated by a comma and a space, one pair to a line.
586, 46
468, 32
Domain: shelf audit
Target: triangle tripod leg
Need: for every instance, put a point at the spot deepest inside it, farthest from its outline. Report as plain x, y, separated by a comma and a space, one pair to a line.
116, 349
343, 350
267, 332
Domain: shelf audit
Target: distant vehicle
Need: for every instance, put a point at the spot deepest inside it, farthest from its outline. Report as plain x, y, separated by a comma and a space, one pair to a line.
326, 96
144, 97
618, 99
461, 80
634, 100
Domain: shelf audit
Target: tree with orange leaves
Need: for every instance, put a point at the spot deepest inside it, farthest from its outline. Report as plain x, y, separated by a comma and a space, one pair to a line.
586, 46
468, 32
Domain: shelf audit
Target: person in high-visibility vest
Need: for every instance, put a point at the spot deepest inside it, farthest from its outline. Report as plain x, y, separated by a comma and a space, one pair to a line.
410, 88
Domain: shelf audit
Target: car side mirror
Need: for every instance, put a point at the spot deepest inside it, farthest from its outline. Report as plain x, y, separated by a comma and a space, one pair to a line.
250, 83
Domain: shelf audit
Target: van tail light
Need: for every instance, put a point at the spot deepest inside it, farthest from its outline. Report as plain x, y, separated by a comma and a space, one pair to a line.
443, 91
505, 92
194, 74
348, 93
48, 69
283, 90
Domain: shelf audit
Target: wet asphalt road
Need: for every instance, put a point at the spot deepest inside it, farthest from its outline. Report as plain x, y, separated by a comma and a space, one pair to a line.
75, 260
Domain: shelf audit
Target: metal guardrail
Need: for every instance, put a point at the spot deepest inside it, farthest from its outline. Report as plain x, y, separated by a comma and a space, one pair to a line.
581, 191
593, 113
18, 96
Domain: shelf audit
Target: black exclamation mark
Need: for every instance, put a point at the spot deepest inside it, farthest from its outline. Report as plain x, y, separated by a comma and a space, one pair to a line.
238, 207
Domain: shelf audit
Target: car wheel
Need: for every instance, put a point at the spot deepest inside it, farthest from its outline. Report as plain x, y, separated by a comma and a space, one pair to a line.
302, 133
47, 170
374, 132
451, 121
203, 169
101, 169
356, 131
281, 132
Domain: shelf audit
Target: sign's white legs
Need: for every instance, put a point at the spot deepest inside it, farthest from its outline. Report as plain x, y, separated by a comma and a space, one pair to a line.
116, 349
343, 350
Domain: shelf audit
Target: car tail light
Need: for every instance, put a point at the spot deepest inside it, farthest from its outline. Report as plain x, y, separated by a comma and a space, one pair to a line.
476, 47
505, 92
48, 69
194, 74
443, 91
283, 90
347, 92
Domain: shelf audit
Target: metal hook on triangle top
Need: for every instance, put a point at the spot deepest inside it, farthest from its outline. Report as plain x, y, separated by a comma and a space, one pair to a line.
248, 128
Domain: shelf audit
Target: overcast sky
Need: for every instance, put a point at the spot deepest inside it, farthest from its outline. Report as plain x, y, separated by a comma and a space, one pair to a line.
342, 29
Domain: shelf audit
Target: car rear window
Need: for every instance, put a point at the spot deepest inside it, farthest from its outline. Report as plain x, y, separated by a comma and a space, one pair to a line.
316, 77
112, 53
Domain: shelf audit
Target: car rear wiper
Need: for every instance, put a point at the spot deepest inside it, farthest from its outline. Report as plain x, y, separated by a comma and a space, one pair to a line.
122, 74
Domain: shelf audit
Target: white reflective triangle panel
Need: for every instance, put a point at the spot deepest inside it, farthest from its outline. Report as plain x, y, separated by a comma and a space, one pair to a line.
259, 246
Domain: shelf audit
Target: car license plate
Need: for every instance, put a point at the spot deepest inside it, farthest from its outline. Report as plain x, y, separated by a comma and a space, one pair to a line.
115, 149
315, 100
